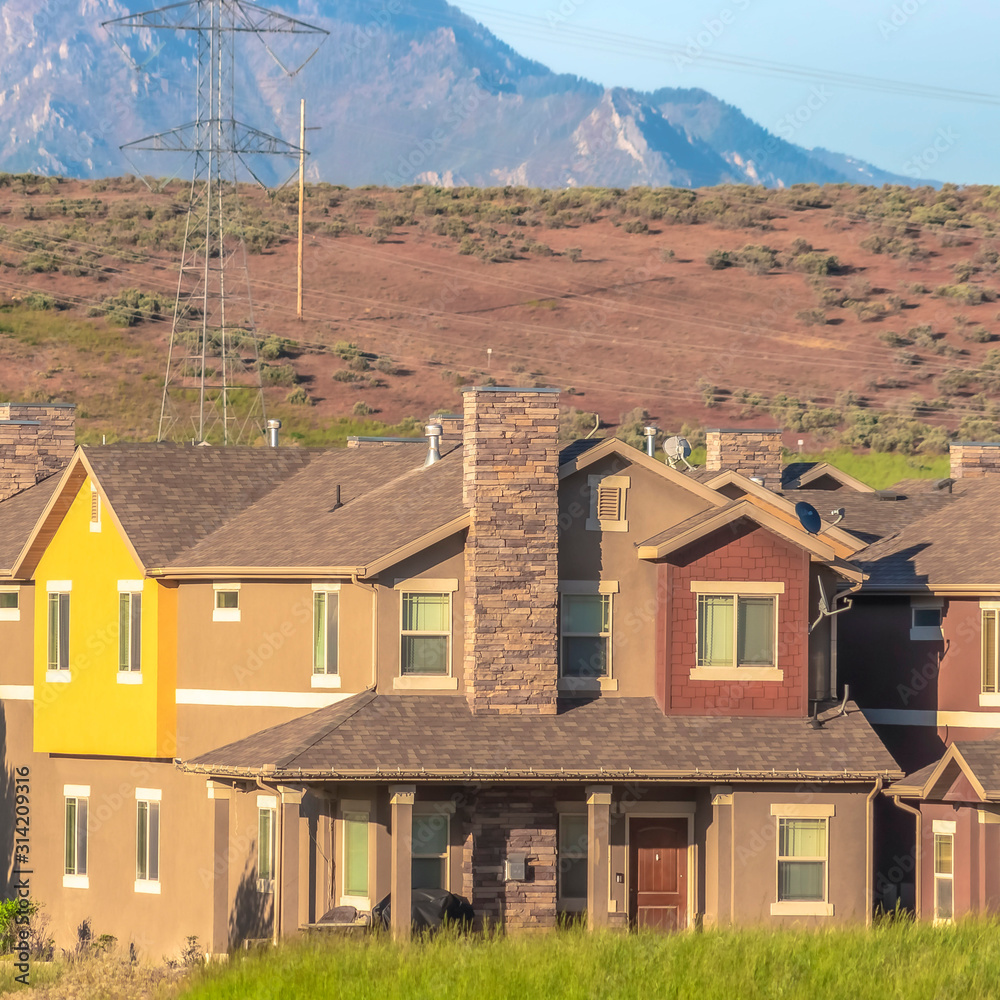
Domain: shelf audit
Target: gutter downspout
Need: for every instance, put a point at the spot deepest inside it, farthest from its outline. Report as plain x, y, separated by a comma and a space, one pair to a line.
918, 870
870, 849
374, 592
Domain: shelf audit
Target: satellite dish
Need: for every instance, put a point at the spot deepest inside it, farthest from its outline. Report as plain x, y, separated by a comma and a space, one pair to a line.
808, 517
676, 450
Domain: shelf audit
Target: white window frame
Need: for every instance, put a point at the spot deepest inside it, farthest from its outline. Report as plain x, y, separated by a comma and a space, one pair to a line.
736, 590
151, 799
926, 633
782, 812
945, 830
225, 614
130, 591
61, 673
570, 904
96, 507
11, 614
596, 484
444, 810
326, 678
427, 682
267, 804
989, 697
78, 877
355, 809
571, 588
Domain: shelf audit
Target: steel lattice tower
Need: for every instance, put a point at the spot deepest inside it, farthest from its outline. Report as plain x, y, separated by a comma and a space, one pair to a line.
213, 377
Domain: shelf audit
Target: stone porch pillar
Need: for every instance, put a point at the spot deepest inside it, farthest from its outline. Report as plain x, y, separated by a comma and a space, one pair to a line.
221, 796
598, 853
288, 872
401, 798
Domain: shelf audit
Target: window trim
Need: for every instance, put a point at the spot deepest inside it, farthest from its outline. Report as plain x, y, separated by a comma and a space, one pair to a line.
11, 614
427, 681
576, 588
326, 678
949, 877
595, 484
58, 589
989, 697
446, 810
926, 633
570, 904
736, 590
266, 804
149, 797
801, 908
225, 614
76, 879
132, 598
355, 807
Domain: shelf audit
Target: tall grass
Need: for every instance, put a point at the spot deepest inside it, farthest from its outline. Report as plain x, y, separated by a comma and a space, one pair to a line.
897, 959
881, 469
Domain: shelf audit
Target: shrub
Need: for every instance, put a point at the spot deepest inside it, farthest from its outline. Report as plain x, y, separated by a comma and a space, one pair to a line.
387, 366
346, 350
359, 363
636, 226
574, 253
299, 397
38, 302
719, 259
361, 409
343, 375
273, 348
815, 263
978, 335
969, 295
811, 317
277, 375
893, 339
666, 255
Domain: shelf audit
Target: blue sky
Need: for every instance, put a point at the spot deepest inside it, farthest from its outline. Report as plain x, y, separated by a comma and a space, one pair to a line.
941, 44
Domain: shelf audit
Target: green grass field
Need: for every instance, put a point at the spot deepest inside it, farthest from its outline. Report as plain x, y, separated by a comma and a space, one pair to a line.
894, 960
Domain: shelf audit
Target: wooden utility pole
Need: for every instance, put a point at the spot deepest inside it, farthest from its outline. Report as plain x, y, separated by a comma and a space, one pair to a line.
302, 194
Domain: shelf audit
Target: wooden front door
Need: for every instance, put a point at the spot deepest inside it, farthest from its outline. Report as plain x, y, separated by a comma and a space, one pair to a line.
658, 873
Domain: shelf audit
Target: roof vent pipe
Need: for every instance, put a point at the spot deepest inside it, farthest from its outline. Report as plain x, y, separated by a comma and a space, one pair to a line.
273, 426
433, 432
651, 433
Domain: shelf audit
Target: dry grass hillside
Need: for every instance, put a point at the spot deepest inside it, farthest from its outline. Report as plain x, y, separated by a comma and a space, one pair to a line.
862, 316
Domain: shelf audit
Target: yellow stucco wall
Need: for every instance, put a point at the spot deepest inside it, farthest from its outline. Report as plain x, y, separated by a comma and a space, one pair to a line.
93, 713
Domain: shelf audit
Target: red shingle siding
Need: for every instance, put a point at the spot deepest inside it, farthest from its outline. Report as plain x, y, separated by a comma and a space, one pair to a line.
754, 556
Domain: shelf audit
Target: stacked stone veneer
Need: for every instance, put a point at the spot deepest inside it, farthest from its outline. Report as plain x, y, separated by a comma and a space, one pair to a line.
511, 485
974, 459
755, 453
36, 440
505, 821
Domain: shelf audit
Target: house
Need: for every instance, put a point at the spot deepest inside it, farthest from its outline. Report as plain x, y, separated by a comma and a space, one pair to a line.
921, 658
252, 684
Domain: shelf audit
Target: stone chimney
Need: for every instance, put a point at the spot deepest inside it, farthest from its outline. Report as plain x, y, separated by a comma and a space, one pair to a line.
36, 441
754, 453
974, 459
511, 486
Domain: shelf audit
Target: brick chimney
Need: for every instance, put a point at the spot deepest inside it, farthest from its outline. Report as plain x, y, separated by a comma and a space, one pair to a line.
754, 453
974, 459
36, 440
511, 456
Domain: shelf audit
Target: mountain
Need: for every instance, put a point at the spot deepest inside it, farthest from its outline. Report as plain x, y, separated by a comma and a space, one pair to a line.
402, 93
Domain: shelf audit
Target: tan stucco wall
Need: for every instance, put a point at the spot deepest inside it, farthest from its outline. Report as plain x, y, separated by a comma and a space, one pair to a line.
16, 641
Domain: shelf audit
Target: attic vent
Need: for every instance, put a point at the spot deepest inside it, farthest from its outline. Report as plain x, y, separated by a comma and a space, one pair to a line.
95, 510
607, 503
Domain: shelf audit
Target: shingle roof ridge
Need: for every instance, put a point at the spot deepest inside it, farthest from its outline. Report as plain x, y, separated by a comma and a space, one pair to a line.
347, 710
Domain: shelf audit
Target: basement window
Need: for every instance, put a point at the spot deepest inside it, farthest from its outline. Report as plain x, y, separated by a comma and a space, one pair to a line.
607, 503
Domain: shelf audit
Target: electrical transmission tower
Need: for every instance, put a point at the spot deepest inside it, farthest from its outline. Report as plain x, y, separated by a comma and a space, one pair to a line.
213, 381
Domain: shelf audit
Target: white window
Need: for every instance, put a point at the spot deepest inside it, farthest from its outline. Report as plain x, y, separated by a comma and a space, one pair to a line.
10, 604
802, 859
926, 614
425, 634
944, 877
607, 503
990, 652
147, 840
585, 626
265, 845
431, 831
75, 874
572, 861
227, 602
58, 631
354, 890
325, 631
129, 632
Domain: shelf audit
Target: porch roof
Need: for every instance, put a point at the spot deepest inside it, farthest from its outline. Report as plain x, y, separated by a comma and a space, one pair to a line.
432, 737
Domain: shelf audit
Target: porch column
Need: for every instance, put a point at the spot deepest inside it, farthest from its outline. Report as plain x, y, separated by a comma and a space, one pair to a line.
719, 863
401, 799
598, 853
221, 796
288, 871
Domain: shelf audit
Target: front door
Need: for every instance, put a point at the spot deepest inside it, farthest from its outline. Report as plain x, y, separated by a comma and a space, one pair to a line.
658, 873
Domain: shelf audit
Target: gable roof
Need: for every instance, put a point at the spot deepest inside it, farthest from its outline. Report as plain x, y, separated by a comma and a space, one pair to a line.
944, 550
18, 516
798, 475
398, 736
977, 760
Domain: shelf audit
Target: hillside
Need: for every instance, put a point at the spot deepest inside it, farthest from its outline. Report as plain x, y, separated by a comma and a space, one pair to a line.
847, 314
411, 92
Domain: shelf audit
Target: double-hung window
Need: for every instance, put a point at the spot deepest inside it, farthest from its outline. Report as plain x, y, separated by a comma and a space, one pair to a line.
425, 636
944, 874
990, 648
572, 862
354, 824
803, 849
430, 849
77, 798
267, 807
129, 627
147, 840
737, 629
586, 635
58, 628
326, 615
